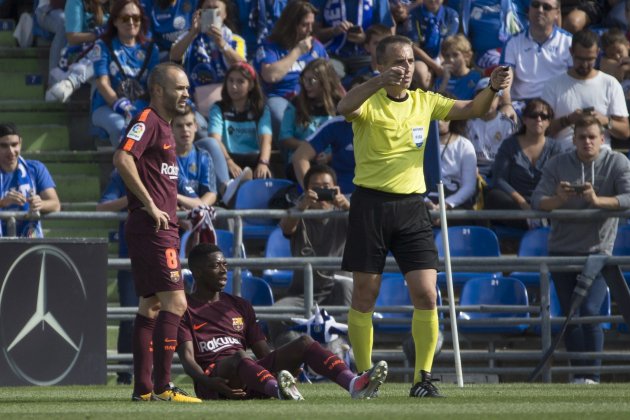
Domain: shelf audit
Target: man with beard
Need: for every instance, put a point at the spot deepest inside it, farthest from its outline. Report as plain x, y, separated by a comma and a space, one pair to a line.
584, 90
387, 210
147, 162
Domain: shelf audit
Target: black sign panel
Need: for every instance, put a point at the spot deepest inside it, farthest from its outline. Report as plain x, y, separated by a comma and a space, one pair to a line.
53, 307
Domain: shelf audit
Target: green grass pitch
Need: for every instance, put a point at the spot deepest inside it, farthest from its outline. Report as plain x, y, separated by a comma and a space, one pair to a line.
328, 401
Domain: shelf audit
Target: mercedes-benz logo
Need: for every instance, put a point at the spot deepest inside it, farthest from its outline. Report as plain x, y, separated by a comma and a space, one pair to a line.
41, 322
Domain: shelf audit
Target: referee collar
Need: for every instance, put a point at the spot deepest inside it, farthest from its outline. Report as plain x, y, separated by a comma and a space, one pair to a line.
398, 99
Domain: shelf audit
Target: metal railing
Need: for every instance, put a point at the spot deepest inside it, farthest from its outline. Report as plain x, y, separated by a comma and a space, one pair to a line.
481, 264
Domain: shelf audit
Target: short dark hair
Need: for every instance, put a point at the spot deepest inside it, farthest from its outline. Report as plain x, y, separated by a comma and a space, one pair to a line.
376, 30
585, 38
381, 48
614, 36
587, 121
317, 170
8, 129
199, 253
158, 75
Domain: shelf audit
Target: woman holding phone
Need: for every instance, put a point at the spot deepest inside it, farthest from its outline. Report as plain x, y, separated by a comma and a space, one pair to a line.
207, 50
282, 57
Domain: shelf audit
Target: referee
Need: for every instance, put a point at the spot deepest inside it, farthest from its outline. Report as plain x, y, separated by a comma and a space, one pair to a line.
387, 212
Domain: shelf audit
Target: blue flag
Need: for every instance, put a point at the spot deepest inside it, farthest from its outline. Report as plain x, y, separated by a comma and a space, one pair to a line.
432, 165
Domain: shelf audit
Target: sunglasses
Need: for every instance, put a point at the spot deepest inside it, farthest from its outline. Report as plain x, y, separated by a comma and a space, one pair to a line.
133, 18
536, 115
546, 7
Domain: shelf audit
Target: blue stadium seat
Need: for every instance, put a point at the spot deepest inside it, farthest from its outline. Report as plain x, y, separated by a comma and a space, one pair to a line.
255, 194
494, 290
394, 292
254, 289
622, 248
278, 246
468, 241
533, 244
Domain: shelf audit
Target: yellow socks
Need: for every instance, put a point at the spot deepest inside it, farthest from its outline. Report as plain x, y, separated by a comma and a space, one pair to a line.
361, 335
424, 329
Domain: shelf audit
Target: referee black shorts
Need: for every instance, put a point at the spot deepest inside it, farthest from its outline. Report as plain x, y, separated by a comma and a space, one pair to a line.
380, 222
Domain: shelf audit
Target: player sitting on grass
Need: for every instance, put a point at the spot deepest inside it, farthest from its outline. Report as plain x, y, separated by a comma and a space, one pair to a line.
217, 329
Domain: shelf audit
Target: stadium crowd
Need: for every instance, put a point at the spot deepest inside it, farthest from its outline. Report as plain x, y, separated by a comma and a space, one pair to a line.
266, 78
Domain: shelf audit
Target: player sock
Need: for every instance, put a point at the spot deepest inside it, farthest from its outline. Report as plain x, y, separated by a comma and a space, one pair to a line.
257, 378
424, 329
164, 344
142, 357
361, 335
328, 364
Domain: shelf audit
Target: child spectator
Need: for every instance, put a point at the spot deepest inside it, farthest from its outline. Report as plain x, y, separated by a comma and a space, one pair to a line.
240, 123
373, 36
320, 91
207, 55
458, 80
487, 132
615, 60
85, 22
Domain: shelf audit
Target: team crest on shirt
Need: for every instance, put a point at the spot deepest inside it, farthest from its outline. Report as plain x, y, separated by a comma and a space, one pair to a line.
136, 132
237, 323
140, 55
187, 7
498, 136
179, 22
175, 276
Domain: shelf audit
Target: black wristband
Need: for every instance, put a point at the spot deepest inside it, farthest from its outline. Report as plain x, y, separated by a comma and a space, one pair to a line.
493, 89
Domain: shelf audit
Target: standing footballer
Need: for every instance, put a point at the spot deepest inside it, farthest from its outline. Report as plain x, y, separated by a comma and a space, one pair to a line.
387, 212
147, 161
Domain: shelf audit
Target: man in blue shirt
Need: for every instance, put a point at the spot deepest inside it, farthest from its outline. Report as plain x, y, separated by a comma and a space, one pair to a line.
25, 185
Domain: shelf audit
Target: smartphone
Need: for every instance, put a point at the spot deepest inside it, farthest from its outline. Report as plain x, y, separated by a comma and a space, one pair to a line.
588, 110
325, 194
355, 29
209, 18
578, 188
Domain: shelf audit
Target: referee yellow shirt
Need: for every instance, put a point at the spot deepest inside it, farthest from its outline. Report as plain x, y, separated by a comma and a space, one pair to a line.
390, 137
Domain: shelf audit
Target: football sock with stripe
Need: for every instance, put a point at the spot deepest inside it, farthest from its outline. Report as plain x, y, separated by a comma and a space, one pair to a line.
142, 354
361, 335
327, 364
164, 345
257, 378
424, 329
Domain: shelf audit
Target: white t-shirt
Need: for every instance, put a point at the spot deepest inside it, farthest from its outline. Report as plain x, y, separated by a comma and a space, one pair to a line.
566, 94
459, 169
534, 64
486, 137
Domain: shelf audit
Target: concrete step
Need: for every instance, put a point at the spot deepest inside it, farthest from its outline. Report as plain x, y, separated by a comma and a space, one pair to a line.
7, 26
44, 137
75, 169
73, 188
21, 85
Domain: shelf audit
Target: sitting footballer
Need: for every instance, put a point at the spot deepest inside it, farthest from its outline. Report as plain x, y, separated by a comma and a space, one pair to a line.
218, 328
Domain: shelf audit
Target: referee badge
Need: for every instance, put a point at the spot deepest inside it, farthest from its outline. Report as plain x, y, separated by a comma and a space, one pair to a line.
417, 134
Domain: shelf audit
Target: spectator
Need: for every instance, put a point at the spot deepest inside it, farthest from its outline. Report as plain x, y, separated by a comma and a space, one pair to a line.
585, 90
320, 91
114, 198
520, 161
373, 36
316, 238
536, 55
25, 185
458, 168
580, 14
337, 135
123, 59
341, 26
431, 23
488, 24
282, 57
207, 55
49, 14
590, 177
458, 80
262, 18
85, 23
167, 21
196, 183
615, 60
487, 132
240, 123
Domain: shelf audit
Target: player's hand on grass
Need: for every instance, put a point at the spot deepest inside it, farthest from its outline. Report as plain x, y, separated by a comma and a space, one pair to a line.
222, 387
